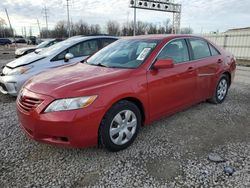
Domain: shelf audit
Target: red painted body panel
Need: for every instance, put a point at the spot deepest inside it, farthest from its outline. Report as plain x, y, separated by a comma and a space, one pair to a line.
161, 92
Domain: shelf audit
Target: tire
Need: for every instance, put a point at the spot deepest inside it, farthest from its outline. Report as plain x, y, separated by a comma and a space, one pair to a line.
120, 126
221, 90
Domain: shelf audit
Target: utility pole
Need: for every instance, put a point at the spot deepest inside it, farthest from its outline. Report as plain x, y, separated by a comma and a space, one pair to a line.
39, 28
46, 18
11, 26
25, 33
68, 17
135, 19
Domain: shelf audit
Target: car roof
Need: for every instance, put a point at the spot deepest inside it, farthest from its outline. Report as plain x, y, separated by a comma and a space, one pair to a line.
75, 40
160, 36
65, 44
83, 38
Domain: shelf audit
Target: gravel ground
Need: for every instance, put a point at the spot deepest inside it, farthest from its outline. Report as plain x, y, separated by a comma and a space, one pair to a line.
173, 152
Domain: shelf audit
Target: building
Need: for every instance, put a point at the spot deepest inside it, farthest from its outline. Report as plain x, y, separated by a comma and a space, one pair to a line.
245, 30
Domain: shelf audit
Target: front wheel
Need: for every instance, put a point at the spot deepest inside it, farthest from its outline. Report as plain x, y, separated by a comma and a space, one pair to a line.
221, 90
120, 126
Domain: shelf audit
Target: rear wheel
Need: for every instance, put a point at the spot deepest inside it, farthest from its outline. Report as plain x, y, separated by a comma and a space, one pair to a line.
221, 90
120, 126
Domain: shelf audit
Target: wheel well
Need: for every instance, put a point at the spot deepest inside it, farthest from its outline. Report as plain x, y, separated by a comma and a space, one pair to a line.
229, 77
139, 104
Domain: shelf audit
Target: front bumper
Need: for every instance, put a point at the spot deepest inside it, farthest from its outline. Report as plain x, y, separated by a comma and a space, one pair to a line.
12, 84
76, 128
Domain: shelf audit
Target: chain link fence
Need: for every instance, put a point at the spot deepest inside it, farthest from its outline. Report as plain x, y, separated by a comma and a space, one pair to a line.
237, 43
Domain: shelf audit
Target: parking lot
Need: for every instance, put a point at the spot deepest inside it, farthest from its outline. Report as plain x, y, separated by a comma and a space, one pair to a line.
173, 152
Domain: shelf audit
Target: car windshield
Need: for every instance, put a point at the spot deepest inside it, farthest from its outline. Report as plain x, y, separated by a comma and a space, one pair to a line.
43, 44
125, 53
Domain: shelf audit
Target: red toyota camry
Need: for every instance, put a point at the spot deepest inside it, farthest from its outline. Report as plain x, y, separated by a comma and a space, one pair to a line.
126, 85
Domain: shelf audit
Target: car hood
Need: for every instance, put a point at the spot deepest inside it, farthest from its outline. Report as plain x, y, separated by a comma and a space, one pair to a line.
27, 48
25, 60
72, 80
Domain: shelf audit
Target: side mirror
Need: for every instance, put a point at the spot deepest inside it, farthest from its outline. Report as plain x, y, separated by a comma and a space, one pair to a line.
68, 56
164, 64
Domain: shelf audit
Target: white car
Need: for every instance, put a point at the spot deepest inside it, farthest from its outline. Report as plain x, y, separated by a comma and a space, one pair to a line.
72, 50
26, 50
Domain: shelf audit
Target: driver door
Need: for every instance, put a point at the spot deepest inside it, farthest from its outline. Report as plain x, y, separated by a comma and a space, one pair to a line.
80, 52
171, 89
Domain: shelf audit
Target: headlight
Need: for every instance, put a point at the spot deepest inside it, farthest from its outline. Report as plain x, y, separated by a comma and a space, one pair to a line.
19, 70
70, 104
19, 52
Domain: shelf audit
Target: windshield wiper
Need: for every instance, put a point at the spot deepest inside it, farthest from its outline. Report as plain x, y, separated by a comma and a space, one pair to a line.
98, 64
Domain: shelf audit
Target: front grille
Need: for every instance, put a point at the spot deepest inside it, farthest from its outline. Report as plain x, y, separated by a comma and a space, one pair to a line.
28, 103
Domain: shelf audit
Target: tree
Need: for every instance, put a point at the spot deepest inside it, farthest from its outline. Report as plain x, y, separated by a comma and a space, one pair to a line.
141, 28
82, 28
186, 30
95, 29
4, 31
61, 29
128, 29
152, 29
113, 28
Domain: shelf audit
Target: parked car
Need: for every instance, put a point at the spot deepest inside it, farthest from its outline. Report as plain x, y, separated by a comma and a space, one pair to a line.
73, 50
21, 40
31, 40
4, 41
124, 86
23, 51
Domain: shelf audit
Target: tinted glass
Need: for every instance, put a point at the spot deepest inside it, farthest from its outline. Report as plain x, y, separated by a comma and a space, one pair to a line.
200, 48
84, 49
176, 50
214, 51
126, 53
106, 42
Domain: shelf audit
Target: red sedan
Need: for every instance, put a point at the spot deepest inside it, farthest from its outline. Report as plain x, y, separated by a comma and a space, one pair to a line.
126, 85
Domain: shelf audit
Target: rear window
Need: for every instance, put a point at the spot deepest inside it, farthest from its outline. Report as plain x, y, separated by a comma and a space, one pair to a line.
214, 51
107, 41
200, 48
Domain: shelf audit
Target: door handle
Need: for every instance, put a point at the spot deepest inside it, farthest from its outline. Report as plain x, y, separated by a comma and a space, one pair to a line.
219, 61
190, 69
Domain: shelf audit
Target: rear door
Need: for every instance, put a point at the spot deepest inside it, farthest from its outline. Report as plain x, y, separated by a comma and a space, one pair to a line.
173, 88
208, 60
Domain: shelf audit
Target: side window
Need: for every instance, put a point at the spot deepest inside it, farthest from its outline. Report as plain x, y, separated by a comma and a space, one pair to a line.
176, 50
106, 42
214, 51
84, 49
200, 48
60, 56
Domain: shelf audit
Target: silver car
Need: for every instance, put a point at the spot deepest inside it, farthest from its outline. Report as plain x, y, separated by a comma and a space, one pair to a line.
72, 50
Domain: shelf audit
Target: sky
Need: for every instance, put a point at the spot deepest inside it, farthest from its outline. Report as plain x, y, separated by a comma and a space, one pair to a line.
201, 15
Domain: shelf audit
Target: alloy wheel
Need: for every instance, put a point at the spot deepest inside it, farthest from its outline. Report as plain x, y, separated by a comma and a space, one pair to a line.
222, 89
